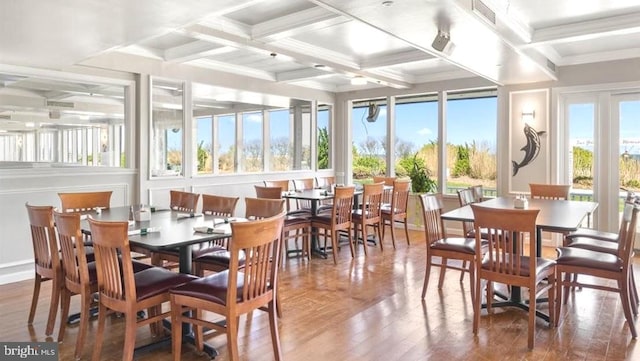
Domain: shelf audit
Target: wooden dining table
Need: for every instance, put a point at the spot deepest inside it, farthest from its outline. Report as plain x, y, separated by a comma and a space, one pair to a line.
555, 216
167, 230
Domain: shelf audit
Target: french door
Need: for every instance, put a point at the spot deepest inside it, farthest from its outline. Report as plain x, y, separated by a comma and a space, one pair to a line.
600, 134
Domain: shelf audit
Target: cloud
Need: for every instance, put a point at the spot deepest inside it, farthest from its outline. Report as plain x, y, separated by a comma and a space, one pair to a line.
255, 118
425, 131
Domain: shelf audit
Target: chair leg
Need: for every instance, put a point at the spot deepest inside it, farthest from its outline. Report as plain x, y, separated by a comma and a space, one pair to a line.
97, 347
232, 338
464, 265
393, 234
406, 231
552, 299
176, 330
364, 238
84, 322
65, 300
472, 282
129, 336
532, 318
443, 270
275, 337
427, 272
355, 235
476, 305
334, 246
384, 226
53, 306
34, 298
626, 306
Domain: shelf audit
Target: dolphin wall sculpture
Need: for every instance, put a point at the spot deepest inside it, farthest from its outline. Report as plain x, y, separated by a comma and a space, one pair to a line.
531, 149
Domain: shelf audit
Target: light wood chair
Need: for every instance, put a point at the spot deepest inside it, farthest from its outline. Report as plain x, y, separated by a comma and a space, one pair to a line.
467, 196
235, 292
388, 190
84, 201
284, 184
550, 191
602, 265
439, 245
183, 201
122, 290
330, 224
369, 214
505, 261
325, 182
396, 211
303, 185
46, 259
80, 276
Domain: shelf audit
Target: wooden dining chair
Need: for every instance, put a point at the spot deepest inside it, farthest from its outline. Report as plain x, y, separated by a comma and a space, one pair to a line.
388, 190
368, 214
325, 182
121, 290
396, 211
468, 196
183, 201
329, 225
550, 191
219, 206
600, 266
443, 247
300, 185
84, 201
240, 290
512, 232
46, 259
80, 276
284, 184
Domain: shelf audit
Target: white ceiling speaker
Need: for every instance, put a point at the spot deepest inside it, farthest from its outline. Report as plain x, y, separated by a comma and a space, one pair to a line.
442, 42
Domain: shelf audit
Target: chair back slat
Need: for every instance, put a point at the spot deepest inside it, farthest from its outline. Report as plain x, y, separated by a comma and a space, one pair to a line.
400, 197
259, 240
467, 196
550, 191
43, 237
74, 257
627, 232
219, 205
113, 260
508, 232
432, 205
183, 201
372, 202
260, 208
84, 201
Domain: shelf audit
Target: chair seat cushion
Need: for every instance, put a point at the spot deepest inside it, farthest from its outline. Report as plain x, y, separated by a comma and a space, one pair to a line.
291, 221
212, 288
542, 264
456, 244
571, 256
358, 214
593, 244
323, 218
156, 280
593, 233
220, 257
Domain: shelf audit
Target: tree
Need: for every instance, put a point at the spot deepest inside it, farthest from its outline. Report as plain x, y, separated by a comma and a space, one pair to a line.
323, 148
203, 154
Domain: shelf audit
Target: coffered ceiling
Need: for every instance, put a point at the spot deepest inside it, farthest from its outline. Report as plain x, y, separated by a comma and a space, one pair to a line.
326, 44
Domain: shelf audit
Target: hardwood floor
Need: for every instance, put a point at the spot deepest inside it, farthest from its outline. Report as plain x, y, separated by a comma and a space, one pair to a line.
370, 309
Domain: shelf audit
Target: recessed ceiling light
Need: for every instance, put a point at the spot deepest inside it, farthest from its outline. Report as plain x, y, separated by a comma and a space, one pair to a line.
387, 3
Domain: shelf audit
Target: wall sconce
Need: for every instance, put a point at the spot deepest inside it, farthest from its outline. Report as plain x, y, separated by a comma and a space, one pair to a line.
528, 115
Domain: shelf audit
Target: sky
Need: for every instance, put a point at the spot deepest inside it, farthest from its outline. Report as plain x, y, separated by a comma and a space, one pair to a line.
467, 120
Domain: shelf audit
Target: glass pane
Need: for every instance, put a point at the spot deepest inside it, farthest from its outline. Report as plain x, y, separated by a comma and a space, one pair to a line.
281, 142
581, 125
204, 146
369, 139
82, 124
324, 138
167, 124
416, 135
471, 155
252, 142
226, 143
630, 145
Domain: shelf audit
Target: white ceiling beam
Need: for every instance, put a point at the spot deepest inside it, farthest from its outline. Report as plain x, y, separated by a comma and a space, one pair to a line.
234, 69
296, 23
403, 57
601, 56
301, 74
194, 50
586, 30
304, 53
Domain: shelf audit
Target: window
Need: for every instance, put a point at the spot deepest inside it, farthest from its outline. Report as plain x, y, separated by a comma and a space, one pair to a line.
167, 126
252, 143
416, 134
369, 119
324, 136
471, 140
281, 142
62, 121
